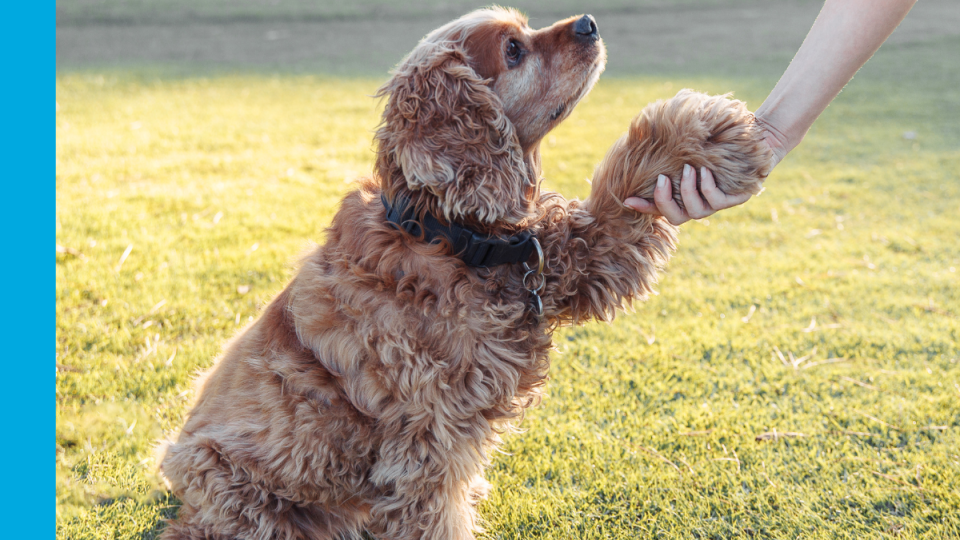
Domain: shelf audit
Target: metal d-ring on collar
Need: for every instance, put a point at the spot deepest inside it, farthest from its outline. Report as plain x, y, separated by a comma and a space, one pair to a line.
536, 304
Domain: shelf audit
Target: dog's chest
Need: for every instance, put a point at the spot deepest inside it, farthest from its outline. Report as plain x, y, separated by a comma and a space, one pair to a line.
426, 338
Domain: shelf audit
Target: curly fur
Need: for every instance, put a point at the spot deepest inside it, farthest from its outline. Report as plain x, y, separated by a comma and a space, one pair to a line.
369, 394
691, 128
444, 134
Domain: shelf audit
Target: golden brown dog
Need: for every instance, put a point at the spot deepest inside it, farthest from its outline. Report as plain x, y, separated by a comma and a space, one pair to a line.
369, 394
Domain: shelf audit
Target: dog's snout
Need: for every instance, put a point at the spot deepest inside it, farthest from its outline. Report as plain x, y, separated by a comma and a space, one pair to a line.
586, 27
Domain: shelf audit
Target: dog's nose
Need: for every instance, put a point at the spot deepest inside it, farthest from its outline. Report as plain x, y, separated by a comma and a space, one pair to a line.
586, 27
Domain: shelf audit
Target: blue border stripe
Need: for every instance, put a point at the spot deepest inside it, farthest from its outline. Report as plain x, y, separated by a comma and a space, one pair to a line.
28, 269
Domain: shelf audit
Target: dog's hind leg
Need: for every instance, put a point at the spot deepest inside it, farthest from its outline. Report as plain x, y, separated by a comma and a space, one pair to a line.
224, 500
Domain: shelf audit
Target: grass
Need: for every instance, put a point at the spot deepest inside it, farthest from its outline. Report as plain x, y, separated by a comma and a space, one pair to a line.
829, 307
165, 11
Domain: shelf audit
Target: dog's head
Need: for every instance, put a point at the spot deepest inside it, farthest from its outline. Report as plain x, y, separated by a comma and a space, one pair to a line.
467, 109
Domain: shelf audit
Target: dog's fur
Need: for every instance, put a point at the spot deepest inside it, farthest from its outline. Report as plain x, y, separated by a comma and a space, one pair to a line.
370, 392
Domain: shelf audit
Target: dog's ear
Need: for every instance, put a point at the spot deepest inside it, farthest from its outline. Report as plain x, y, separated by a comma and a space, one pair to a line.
444, 132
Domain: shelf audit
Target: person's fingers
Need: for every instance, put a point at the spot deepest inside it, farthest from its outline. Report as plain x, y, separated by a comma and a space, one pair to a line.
642, 205
718, 200
663, 196
735, 200
695, 205
708, 186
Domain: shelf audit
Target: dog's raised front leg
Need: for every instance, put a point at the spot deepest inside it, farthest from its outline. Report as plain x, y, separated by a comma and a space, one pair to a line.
599, 257
599, 254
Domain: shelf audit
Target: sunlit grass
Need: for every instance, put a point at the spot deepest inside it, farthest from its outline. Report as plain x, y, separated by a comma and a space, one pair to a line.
849, 259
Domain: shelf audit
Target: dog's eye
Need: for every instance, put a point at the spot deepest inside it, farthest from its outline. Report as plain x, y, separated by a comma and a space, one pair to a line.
514, 52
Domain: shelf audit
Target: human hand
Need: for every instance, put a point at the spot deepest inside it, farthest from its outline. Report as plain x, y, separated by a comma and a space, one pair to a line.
697, 204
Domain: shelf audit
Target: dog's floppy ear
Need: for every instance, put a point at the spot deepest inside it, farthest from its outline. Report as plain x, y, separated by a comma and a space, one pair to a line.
444, 132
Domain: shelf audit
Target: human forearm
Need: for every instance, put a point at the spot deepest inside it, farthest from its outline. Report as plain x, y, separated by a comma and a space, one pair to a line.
844, 36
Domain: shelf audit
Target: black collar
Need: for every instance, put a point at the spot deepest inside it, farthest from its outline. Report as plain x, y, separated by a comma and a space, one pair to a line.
472, 248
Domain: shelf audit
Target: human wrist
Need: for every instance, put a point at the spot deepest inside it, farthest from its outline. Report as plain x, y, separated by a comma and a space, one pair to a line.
780, 144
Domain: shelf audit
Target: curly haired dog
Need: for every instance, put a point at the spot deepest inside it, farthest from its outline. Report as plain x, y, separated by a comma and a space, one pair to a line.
370, 392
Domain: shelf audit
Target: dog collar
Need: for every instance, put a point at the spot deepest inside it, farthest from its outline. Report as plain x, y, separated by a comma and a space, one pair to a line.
474, 249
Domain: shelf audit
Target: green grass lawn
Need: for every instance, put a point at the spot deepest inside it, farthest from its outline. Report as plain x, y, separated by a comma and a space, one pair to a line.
162, 11
822, 318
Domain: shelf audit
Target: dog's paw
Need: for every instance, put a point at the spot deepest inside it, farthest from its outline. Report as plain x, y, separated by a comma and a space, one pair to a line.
692, 128
715, 132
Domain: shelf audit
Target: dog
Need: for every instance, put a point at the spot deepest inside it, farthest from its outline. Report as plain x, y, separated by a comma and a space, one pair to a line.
367, 397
